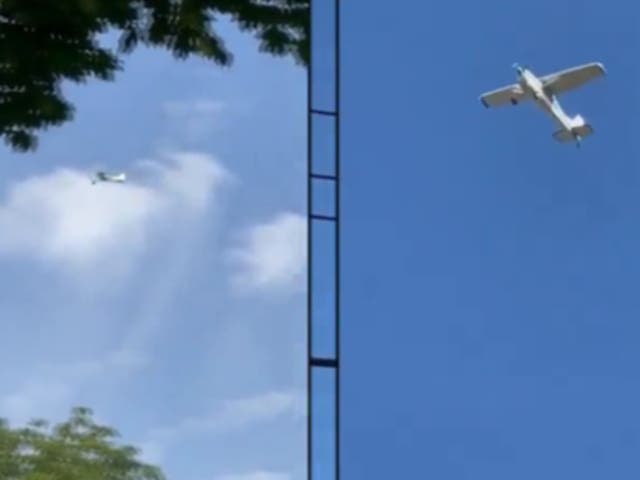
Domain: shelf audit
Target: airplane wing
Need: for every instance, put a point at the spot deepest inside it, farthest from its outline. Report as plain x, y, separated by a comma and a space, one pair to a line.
572, 78
502, 96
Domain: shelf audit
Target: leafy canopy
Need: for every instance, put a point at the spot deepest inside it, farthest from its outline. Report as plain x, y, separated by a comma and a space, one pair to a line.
43, 43
77, 449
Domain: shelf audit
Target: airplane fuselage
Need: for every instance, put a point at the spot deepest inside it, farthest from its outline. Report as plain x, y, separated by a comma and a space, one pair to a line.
105, 177
533, 86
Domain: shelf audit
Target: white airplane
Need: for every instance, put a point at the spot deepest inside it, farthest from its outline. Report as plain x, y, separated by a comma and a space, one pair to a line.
544, 91
106, 177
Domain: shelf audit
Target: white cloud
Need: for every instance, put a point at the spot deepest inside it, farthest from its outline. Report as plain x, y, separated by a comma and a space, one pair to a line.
257, 475
61, 218
232, 415
272, 255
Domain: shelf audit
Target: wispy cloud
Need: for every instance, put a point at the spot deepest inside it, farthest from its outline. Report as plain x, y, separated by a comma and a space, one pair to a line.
191, 178
257, 475
229, 416
89, 233
48, 391
271, 255
194, 119
198, 106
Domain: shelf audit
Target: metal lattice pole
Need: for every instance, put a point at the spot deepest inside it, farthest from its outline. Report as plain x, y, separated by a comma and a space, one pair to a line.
323, 456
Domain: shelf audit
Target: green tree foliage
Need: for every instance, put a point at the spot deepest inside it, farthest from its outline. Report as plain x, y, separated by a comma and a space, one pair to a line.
43, 43
77, 449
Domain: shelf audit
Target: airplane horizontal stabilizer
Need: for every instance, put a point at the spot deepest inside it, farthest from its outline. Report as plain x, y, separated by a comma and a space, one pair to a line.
583, 130
570, 136
564, 136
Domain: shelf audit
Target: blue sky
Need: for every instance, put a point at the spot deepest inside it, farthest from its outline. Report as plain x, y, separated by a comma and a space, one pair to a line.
490, 274
173, 305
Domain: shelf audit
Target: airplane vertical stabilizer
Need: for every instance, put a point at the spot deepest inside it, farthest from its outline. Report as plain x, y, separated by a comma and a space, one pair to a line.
578, 121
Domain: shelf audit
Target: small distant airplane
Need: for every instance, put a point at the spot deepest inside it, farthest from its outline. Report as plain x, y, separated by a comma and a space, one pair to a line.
106, 177
544, 91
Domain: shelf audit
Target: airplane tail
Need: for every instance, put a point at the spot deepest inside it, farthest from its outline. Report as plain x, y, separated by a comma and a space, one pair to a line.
579, 129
